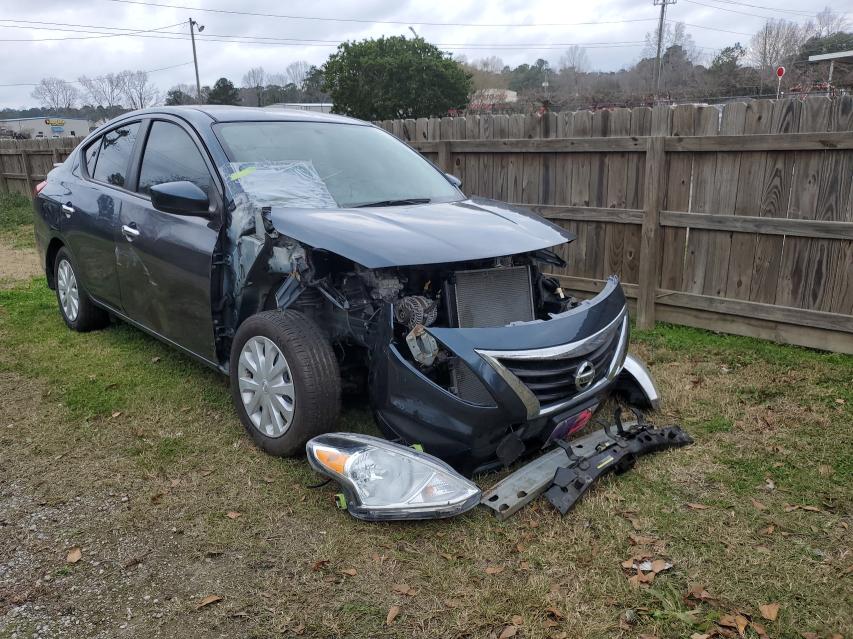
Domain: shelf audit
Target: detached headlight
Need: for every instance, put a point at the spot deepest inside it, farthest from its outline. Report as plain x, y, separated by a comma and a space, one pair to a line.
382, 480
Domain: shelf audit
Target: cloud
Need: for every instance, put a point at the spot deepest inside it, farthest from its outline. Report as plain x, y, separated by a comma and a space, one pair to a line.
28, 62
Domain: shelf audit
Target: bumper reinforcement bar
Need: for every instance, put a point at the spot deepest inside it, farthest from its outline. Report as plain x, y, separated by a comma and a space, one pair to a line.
567, 472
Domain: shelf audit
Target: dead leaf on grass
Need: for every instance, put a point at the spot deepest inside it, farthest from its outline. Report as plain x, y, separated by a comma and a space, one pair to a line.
206, 601
699, 593
74, 555
697, 635
494, 570
554, 613
352, 572
116, 414
769, 485
156, 499
154, 360
695, 506
393, 611
769, 611
319, 564
759, 629
825, 470
810, 635
769, 530
404, 589
659, 565
641, 579
520, 547
517, 620
509, 631
757, 504
233, 514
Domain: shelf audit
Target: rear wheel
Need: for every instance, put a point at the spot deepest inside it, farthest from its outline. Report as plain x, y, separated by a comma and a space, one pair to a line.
77, 310
285, 382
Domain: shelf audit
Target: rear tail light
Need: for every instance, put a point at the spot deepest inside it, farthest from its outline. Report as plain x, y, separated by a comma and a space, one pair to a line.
40, 186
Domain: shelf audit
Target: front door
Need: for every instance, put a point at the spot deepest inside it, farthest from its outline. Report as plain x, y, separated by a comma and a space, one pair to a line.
164, 260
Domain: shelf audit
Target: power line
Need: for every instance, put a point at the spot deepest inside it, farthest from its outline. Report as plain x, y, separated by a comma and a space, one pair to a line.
776, 9
365, 21
743, 13
272, 41
96, 37
35, 84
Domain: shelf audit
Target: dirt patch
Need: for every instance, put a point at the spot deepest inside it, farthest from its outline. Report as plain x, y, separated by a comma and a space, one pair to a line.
17, 264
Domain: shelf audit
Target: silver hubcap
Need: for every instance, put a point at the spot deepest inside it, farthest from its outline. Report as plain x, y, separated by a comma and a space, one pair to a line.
66, 284
266, 386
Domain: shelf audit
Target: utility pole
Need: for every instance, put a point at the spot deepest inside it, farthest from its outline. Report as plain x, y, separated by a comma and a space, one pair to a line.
193, 25
659, 60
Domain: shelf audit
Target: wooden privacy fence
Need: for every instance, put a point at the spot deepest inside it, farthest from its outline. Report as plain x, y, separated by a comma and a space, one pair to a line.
737, 219
25, 163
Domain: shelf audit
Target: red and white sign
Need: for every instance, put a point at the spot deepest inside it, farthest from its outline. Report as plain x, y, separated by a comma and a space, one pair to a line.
780, 71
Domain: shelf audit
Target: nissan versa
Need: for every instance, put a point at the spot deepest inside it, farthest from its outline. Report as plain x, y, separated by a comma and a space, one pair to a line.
304, 254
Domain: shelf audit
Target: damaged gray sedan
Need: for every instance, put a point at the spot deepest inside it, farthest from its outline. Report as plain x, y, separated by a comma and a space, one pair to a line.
306, 255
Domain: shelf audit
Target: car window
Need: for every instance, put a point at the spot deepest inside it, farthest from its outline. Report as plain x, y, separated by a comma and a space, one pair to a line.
91, 154
356, 165
114, 156
171, 156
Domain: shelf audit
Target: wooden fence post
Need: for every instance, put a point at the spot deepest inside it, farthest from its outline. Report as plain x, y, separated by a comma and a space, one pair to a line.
649, 238
444, 156
25, 166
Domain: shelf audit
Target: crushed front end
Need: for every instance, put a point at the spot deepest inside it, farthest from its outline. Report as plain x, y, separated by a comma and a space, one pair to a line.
514, 365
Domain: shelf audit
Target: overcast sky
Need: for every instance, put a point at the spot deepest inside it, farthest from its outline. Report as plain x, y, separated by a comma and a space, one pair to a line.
28, 61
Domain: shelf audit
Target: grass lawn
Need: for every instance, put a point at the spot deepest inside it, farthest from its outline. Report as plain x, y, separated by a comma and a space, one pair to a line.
122, 452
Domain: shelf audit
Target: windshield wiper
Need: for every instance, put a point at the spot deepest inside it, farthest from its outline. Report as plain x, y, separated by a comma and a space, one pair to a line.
411, 200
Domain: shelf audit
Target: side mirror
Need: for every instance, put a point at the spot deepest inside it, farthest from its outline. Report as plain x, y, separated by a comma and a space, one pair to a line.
455, 181
180, 198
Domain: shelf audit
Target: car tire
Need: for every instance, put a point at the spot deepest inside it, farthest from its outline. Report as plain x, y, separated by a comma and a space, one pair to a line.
78, 311
263, 387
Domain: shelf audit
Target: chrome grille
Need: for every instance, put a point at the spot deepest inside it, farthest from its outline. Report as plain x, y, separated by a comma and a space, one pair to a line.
553, 380
493, 297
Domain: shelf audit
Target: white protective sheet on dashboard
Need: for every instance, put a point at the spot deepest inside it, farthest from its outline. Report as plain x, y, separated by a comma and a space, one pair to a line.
291, 183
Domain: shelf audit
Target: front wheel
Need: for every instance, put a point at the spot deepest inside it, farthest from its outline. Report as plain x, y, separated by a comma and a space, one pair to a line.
285, 382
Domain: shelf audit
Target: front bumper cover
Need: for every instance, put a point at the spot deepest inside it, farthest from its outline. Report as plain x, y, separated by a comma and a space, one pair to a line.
410, 407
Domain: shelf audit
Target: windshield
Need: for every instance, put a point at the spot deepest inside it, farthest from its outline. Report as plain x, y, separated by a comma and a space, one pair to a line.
357, 165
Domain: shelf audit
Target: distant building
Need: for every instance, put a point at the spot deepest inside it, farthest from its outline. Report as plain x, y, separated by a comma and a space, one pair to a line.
320, 107
43, 127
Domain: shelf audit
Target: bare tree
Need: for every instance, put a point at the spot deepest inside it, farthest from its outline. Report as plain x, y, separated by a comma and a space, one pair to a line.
673, 36
575, 59
492, 64
106, 90
54, 93
773, 44
828, 22
296, 72
255, 79
138, 92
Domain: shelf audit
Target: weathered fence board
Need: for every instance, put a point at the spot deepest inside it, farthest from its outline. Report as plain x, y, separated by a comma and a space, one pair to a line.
738, 219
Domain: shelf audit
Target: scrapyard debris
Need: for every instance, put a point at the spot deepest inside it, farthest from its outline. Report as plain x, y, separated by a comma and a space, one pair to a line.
567, 472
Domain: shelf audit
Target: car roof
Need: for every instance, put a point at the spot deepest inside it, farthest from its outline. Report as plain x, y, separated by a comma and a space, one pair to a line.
225, 113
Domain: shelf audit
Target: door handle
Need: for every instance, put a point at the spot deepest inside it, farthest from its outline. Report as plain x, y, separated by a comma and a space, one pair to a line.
129, 232
67, 209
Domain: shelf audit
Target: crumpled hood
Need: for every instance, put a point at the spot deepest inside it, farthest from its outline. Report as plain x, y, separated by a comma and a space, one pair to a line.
378, 237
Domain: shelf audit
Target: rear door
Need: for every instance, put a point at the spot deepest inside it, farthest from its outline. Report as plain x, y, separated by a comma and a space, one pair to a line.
164, 260
91, 206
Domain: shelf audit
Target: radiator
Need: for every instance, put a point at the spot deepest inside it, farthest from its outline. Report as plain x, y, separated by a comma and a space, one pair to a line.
493, 297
